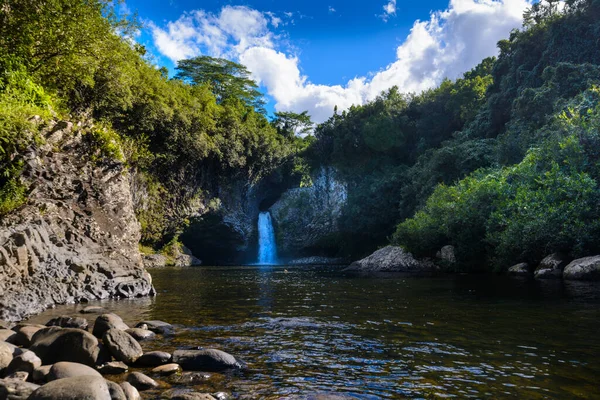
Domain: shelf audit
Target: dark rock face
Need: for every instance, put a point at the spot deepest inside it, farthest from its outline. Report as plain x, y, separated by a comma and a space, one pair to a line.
68, 344
391, 259
302, 217
583, 269
551, 267
74, 388
205, 360
77, 237
153, 359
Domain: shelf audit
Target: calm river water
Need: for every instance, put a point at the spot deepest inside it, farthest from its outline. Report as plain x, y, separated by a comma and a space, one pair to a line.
306, 332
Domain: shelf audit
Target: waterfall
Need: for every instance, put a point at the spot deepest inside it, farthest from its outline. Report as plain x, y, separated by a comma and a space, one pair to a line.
267, 248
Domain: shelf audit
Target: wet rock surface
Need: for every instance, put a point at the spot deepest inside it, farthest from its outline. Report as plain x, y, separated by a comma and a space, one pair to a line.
205, 360
391, 259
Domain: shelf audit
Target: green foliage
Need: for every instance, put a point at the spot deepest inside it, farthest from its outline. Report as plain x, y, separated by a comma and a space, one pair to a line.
289, 123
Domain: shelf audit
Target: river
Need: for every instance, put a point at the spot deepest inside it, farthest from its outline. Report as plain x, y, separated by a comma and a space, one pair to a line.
308, 331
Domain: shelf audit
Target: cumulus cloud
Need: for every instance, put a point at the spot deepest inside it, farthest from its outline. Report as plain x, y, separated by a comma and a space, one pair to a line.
331, 9
389, 9
449, 43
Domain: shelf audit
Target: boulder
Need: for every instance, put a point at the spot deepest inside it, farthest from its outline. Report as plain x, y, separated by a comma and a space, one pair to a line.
113, 368
141, 334
141, 381
552, 266
74, 388
391, 259
108, 321
26, 361
7, 335
131, 393
193, 396
116, 391
92, 310
66, 369
167, 369
583, 269
66, 344
40, 374
25, 333
160, 327
15, 389
154, 260
65, 321
153, 359
122, 346
521, 269
20, 375
7, 353
205, 360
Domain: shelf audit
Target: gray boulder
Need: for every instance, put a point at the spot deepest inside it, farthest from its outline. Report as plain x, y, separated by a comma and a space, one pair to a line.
583, 269
66, 344
153, 359
551, 267
391, 259
131, 393
167, 369
122, 346
65, 321
15, 389
108, 321
7, 335
159, 327
66, 369
113, 368
116, 391
446, 254
74, 388
521, 269
7, 353
154, 260
141, 334
205, 360
26, 361
25, 333
141, 381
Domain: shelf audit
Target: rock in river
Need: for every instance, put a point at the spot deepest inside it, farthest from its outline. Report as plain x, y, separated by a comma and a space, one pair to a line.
74, 388
131, 393
15, 389
108, 321
551, 267
65, 321
521, 269
65, 369
584, 269
65, 344
157, 327
113, 368
205, 360
122, 346
391, 259
153, 359
141, 334
141, 381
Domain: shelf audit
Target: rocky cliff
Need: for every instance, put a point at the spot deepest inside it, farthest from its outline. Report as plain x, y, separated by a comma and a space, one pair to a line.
306, 218
76, 238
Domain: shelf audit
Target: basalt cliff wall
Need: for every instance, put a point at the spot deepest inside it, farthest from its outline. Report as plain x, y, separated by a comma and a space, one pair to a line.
76, 238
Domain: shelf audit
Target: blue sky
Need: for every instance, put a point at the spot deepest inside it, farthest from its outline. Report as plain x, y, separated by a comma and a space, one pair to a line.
316, 54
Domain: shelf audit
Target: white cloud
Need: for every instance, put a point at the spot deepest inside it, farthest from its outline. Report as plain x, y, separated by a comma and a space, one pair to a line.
331, 9
389, 9
448, 44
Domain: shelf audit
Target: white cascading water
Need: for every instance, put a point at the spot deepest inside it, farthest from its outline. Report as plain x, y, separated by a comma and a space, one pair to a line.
267, 248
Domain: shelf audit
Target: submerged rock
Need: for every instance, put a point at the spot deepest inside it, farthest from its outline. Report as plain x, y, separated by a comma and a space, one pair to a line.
521, 269
192, 396
92, 310
205, 360
585, 269
391, 259
65, 321
155, 326
551, 267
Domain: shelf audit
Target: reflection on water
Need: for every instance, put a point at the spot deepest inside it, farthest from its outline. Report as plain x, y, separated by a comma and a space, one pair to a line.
315, 330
